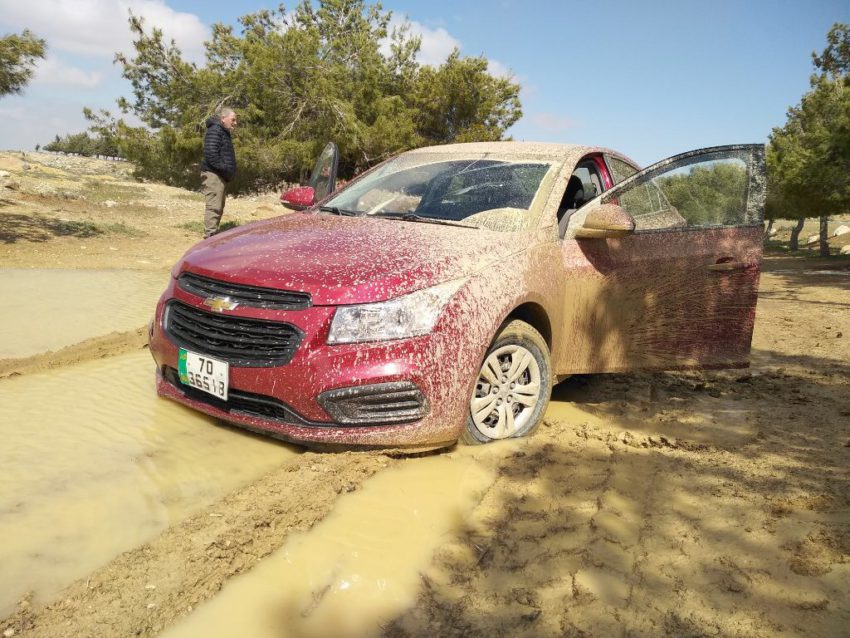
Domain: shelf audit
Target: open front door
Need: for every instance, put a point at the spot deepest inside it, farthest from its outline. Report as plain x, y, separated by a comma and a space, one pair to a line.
681, 290
322, 181
323, 178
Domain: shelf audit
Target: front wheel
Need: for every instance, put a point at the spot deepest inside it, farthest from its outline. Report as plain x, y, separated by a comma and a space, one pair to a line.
513, 386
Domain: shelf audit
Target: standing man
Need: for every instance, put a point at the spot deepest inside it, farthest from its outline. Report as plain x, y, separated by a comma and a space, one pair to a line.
218, 167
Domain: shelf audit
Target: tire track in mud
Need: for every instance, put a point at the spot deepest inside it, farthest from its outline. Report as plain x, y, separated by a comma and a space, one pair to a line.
612, 569
559, 529
587, 530
145, 590
591, 530
94, 348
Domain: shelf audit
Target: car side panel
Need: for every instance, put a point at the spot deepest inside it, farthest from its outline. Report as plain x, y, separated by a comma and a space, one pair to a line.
659, 300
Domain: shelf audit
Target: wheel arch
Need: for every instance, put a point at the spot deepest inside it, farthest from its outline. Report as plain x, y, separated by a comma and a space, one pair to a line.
536, 316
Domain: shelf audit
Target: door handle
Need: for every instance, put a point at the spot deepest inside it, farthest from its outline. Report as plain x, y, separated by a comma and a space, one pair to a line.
725, 266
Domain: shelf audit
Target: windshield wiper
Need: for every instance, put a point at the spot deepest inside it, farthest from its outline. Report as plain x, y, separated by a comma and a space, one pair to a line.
339, 211
413, 217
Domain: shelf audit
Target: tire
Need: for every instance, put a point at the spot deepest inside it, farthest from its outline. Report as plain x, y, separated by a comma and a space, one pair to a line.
517, 399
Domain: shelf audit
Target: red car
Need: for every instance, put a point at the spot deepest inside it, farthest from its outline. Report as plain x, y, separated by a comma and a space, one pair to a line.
440, 295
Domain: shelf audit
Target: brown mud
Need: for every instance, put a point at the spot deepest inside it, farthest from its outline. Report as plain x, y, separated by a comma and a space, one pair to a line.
87, 350
674, 504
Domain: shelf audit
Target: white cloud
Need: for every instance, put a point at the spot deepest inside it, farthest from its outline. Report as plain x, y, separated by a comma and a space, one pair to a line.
55, 72
496, 68
27, 123
82, 38
99, 27
12, 113
529, 90
437, 44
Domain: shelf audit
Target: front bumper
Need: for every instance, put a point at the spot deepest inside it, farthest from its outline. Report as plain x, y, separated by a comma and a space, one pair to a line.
415, 435
386, 394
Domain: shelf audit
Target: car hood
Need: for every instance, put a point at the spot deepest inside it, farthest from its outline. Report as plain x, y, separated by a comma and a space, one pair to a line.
347, 260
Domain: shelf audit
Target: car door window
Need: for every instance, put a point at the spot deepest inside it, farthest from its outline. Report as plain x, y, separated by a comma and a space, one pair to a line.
699, 190
649, 207
619, 169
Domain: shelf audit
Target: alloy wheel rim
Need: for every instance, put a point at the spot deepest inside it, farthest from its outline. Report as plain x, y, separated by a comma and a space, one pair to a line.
506, 392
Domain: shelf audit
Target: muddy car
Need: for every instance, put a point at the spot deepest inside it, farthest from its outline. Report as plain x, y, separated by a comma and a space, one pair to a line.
440, 295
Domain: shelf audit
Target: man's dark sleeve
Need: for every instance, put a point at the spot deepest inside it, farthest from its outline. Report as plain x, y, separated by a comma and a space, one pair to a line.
212, 150
228, 158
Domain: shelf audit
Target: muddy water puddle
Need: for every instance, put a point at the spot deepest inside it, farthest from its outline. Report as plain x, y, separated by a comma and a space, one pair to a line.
360, 567
50, 309
93, 463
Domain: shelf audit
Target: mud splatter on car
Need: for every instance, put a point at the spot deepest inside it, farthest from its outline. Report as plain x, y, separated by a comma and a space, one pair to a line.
439, 296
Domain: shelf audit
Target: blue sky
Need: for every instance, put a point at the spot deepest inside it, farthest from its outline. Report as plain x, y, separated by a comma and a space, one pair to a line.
649, 79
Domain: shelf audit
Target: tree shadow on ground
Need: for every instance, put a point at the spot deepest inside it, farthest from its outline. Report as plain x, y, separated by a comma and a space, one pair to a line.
802, 261
687, 503
832, 274
36, 228
610, 525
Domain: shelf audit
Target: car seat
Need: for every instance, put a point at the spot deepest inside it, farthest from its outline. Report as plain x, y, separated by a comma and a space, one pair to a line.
573, 198
578, 193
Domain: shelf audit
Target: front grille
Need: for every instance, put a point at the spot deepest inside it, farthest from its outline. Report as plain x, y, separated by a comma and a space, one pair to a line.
239, 341
253, 296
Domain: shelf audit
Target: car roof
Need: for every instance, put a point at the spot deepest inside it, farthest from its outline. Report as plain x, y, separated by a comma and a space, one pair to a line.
550, 150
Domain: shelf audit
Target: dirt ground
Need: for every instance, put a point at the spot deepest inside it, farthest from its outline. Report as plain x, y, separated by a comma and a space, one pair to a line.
674, 504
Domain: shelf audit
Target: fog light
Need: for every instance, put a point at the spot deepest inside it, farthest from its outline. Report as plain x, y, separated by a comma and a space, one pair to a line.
376, 404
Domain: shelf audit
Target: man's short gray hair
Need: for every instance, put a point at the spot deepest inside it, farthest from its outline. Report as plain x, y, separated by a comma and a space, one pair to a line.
224, 111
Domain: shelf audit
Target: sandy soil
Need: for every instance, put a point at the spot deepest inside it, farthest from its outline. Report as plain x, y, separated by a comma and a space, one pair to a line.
74, 212
677, 504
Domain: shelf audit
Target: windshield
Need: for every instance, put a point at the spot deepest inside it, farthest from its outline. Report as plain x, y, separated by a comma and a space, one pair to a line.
486, 191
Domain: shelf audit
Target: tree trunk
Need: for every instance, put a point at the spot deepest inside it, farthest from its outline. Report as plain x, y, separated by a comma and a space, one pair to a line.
768, 229
824, 236
794, 244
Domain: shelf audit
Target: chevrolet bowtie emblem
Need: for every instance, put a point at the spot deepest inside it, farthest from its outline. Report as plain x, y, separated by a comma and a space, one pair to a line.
220, 304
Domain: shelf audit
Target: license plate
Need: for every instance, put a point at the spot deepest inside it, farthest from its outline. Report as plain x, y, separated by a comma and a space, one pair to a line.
204, 373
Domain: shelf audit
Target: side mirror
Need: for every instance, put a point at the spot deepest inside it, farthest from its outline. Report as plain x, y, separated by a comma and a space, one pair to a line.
298, 198
606, 220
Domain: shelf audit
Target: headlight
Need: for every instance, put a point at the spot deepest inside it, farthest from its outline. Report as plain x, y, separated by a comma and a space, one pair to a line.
408, 316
